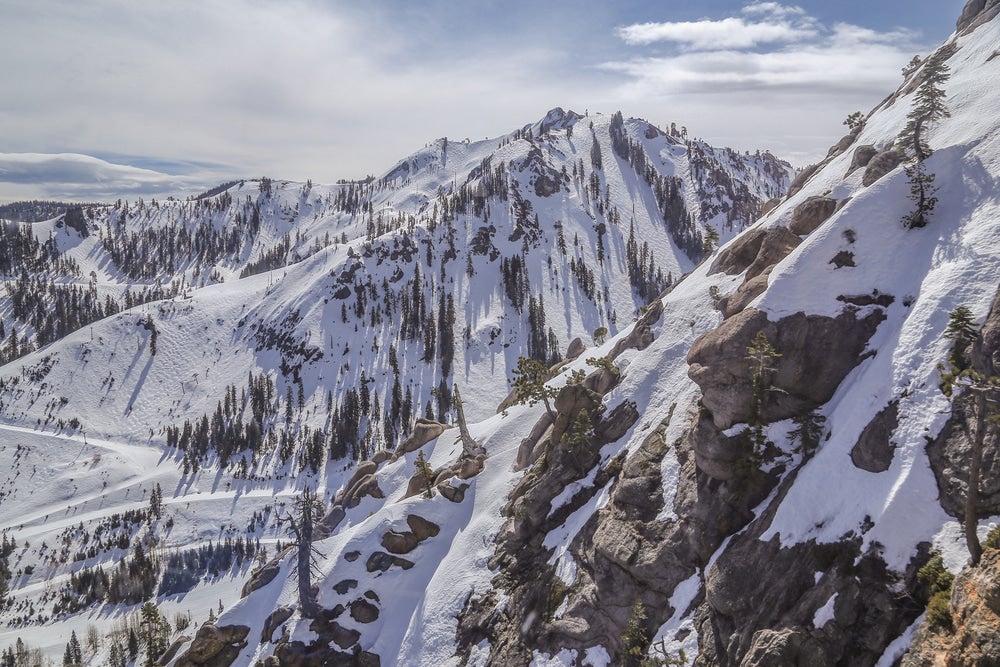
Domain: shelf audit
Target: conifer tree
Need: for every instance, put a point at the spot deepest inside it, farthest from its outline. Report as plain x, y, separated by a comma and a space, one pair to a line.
529, 385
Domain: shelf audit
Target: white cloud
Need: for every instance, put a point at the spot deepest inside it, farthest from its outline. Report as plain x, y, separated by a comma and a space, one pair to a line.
778, 24
75, 176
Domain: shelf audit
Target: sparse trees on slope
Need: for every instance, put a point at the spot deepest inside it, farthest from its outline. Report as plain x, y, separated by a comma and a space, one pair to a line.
529, 384
308, 509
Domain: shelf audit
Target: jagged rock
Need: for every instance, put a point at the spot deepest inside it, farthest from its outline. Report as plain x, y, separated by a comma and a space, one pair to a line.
470, 466
880, 165
769, 206
261, 577
845, 141
455, 494
717, 455
529, 451
381, 561
985, 354
976, 13
862, 156
332, 519
342, 587
341, 636
810, 214
570, 400
274, 621
363, 611
601, 381
399, 543
739, 254
297, 654
642, 334
788, 646
575, 349
774, 247
422, 528
975, 612
817, 353
755, 251
365, 487
172, 650
842, 259
424, 430
364, 469
950, 453
873, 451
800, 179
617, 422
215, 646
747, 292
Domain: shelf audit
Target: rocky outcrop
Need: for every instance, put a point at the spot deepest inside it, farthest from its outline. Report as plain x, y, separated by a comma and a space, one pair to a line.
215, 646
862, 156
750, 289
880, 165
274, 621
817, 353
756, 251
974, 638
642, 333
950, 453
845, 142
402, 542
810, 214
575, 349
976, 13
801, 179
874, 449
424, 430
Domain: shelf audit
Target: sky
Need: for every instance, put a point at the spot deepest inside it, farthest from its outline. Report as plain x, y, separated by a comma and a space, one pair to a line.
115, 98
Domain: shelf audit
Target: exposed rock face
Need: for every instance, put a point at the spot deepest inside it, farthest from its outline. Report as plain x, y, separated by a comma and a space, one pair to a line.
975, 612
774, 247
873, 450
950, 452
975, 13
880, 165
424, 430
817, 353
642, 333
382, 561
747, 292
801, 179
261, 577
845, 141
717, 455
755, 251
810, 214
862, 156
363, 611
274, 621
215, 646
575, 349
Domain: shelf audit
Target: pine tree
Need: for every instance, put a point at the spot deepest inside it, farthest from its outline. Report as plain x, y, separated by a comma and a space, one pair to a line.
922, 191
761, 355
961, 330
529, 385
426, 474
928, 104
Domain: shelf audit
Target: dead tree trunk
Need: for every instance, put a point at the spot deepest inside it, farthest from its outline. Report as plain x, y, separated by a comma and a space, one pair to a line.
469, 445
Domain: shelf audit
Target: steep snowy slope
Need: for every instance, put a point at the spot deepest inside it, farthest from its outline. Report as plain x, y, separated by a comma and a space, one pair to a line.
644, 499
241, 346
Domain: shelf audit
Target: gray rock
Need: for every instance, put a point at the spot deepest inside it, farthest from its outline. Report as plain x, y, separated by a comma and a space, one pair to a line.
363, 611
862, 156
575, 349
215, 646
873, 451
976, 13
817, 353
381, 561
845, 142
810, 214
399, 543
880, 165
777, 243
747, 292
342, 587
422, 528
424, 430
642, 334
274, 621
801, 179
455, 494
739, 254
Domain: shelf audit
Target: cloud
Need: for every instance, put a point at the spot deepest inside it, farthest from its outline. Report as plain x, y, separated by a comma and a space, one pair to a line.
779, 24
84, 177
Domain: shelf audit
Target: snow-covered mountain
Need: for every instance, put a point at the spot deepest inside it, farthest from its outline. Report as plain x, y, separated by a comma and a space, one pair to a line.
755, 467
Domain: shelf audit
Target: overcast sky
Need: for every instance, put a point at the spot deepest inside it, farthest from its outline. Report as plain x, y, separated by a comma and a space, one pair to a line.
110, 98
